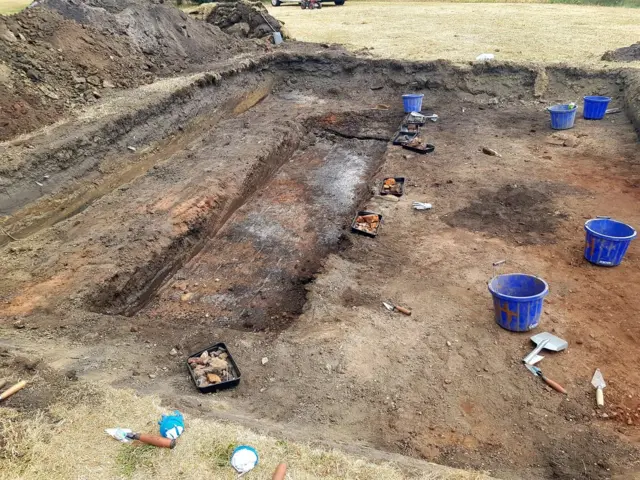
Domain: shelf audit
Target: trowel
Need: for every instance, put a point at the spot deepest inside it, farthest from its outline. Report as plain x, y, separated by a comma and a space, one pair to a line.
544, 341
126, 435
598, 382
553, 384
396, 308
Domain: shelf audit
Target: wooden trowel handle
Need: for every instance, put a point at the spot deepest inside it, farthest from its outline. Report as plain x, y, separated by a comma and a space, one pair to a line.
555, 385
11, 390
280, 473
406, 311
154, 440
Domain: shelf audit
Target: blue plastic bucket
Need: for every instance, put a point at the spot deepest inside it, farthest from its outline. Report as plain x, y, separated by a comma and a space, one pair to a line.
562, 116
412, 102
517, 300
595, 107
607, 241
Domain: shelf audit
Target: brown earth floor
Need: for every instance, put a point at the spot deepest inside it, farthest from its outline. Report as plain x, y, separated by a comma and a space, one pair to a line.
292, 284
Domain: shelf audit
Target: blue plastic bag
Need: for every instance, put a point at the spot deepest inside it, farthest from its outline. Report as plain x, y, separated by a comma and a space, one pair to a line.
172, 426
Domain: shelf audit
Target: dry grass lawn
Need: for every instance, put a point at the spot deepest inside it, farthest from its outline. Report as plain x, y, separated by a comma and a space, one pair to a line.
68, 442
7, 7
461, 31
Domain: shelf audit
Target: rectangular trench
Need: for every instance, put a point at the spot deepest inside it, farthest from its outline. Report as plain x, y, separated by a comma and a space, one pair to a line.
252, 274
270, 236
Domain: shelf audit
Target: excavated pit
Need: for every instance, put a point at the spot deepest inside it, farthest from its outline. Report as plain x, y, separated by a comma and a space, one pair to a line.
251, 302
272, 239
230, 222
194, 151
253, 273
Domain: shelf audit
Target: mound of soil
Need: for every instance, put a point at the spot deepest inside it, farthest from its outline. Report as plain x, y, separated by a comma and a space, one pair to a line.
50, 64
244, 18
161, 32
624, 54
64, 53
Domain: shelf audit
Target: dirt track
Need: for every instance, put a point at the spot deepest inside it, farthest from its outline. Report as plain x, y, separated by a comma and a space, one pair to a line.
230, 223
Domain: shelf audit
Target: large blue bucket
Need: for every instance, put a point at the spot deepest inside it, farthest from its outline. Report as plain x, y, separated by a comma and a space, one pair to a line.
595, 107
517, 300
562, 116
607, 241
412, 102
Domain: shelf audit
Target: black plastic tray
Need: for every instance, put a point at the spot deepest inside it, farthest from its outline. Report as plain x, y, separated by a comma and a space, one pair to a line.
399, 180
409, 128
411, 120
422, 148
399, 140
218, 386
362, 232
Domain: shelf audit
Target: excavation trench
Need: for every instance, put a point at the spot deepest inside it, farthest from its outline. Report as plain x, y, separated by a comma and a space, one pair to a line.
248, 265
205, 148
252, 273
228, 228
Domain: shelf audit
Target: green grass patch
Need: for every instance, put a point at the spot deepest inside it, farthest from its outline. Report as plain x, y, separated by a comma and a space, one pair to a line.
219, 454
9, 7
132, 457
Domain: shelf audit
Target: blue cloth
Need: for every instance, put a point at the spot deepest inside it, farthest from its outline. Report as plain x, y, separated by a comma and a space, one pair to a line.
172, 426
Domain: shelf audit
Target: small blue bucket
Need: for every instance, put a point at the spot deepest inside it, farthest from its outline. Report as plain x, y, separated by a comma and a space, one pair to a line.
412, 102
517, 300
607, 241
562, 116
595, 107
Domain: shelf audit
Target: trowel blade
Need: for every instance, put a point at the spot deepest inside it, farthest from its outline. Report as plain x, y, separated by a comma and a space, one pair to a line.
119, 434
388, 306
598, 380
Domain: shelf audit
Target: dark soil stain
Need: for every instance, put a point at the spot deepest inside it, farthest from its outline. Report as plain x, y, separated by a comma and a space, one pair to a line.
520, 213
370, 125
588, 455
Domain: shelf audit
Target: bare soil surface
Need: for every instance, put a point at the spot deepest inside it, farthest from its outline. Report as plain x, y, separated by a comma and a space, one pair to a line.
235, 227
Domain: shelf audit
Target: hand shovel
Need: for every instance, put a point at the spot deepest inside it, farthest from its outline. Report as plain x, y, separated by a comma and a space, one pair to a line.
598, 382
544, 341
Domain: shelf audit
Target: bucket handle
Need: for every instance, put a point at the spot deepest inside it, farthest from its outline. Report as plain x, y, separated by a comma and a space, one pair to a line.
575, 106
604, 217
496, 267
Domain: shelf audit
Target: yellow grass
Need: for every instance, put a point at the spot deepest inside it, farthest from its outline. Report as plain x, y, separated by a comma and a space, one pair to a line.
7, 7
198, 11
68, 442
461, 31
